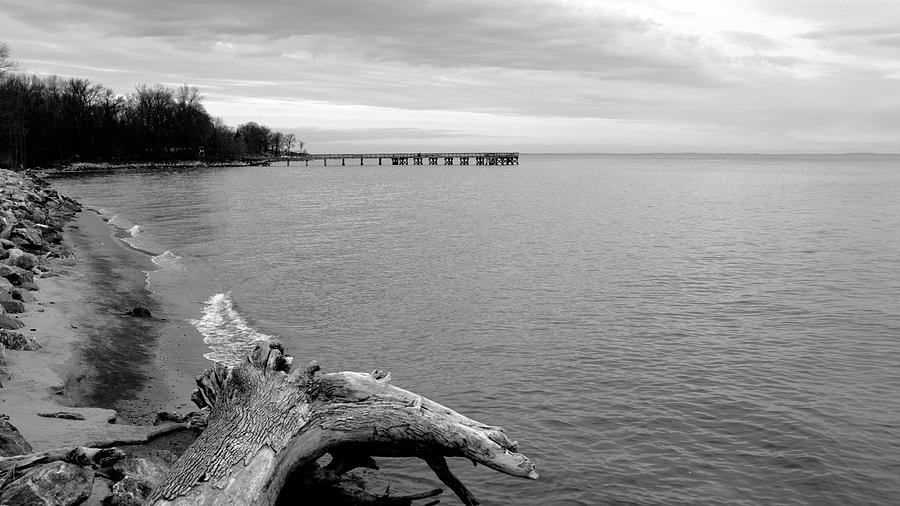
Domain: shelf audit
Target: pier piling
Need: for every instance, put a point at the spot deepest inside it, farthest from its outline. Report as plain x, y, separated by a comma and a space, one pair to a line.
498, 158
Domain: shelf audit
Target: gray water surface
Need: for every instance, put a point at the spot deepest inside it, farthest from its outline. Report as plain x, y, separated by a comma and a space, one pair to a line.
653, 329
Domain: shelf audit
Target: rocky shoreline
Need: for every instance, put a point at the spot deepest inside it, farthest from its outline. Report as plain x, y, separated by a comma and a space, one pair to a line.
85, 167
67, 457
32, 215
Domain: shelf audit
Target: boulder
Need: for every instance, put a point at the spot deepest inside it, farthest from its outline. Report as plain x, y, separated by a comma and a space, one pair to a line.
138, 476
149, 469
16, 275
11, 441
52, 237
10, 323
54, 484
21, 259
38, 215
127, 492
8, 222
5, 285
29, 285
7, 244
18, 341
20, 294
27, 236
13, 306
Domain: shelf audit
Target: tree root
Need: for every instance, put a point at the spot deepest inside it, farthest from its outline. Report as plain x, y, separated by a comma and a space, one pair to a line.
267, 423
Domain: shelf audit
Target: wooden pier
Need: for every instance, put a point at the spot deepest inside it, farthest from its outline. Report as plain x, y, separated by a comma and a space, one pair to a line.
417, 158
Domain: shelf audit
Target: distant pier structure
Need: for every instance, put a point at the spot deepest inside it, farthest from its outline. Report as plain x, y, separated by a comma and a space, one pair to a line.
417, 158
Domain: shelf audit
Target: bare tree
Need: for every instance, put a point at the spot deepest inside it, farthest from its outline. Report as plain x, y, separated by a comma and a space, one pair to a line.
6, 63
289, 141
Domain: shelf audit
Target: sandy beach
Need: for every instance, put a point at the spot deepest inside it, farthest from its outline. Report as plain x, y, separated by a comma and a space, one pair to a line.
144, 358
91, 353
94, 378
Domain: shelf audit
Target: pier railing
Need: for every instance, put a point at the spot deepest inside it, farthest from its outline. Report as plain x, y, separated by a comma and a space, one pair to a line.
476, 158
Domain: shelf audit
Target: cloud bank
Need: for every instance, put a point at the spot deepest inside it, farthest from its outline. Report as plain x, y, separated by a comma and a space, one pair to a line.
792, 75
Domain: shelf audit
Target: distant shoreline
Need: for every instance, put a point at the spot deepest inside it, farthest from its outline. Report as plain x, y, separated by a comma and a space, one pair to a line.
110, 166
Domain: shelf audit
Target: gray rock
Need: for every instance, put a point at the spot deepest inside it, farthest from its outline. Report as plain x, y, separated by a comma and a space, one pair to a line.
52, 237
20, 294
7, 244
11, 441
38, 216
13, 306
140, 312
5, 285
128, 492
16, 275
149, 470
54, 484
19, 258
10, 323
29, 285
17, 341
29, 236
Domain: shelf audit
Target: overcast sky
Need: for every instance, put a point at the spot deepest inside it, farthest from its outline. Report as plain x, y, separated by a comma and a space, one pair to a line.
527, 75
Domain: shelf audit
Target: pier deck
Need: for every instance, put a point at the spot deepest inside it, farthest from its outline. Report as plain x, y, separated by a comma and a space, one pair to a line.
506, 158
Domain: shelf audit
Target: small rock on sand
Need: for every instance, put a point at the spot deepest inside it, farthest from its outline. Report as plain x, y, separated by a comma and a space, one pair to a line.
140, 312
65, 415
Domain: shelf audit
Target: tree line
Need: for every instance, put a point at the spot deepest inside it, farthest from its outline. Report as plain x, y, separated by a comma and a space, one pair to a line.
50, 120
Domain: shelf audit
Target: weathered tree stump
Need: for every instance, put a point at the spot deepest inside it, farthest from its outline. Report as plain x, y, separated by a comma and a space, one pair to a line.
267, 422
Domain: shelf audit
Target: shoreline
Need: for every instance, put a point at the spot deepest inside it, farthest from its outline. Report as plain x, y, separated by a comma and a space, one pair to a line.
93, 360
94, 167
141, 356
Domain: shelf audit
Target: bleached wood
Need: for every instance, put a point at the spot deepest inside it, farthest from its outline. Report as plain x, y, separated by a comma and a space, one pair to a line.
266, 422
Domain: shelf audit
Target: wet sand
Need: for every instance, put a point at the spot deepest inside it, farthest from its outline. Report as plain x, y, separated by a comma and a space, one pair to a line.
149, 363
95, 360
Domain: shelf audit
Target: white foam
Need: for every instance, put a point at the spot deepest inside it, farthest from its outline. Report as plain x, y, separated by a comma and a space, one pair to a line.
118, 222
135, 230
225, 331
168, 261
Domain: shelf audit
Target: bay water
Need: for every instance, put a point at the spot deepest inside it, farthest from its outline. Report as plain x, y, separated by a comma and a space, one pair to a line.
652, 329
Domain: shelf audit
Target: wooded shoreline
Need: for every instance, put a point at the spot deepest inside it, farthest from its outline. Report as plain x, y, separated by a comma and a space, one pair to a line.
57, 122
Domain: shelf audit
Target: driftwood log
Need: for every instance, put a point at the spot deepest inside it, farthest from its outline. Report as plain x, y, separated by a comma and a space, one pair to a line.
79, 455
268, 424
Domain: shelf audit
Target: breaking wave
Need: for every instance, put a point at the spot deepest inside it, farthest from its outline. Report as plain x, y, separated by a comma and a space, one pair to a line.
117, 222
168, 260
225, 330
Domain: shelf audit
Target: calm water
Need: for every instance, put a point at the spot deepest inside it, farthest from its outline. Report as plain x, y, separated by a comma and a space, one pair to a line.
652, 329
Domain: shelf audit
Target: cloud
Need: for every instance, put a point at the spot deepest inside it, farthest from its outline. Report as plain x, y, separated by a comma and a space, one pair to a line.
773, 73
522, 35
877, 35
754, 41
315, 134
